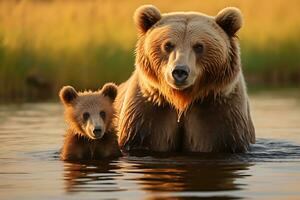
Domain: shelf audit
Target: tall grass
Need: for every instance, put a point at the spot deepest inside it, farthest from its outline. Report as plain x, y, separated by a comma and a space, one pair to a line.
47, 44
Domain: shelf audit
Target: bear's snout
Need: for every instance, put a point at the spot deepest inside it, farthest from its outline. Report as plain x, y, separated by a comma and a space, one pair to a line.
98, 132
180, 74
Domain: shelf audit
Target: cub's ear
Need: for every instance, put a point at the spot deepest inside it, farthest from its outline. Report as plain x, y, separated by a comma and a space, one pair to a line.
110, 90
145, 17
230, 19
67, 95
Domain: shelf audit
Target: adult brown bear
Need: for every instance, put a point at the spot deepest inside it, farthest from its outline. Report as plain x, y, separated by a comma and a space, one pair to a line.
187, 92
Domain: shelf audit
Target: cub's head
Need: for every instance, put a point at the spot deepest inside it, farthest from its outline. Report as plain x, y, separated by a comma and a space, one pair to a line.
89, 113
187, 55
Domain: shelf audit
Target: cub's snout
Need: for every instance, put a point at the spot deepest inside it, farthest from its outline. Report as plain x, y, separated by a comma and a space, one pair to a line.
98, 132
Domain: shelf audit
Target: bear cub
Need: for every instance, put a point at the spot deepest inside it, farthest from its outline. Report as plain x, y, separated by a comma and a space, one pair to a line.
91, 134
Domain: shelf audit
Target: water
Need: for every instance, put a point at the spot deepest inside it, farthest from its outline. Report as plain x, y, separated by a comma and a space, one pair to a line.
31, 136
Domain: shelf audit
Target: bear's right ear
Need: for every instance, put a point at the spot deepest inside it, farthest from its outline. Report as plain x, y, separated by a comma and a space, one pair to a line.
145, 17
67, 95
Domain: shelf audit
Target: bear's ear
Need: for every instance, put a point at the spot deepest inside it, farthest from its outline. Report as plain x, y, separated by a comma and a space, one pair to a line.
230, 19
145, 17
67, 95
110, 90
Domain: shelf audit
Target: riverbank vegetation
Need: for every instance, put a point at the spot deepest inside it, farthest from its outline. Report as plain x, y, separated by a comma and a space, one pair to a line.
45, 44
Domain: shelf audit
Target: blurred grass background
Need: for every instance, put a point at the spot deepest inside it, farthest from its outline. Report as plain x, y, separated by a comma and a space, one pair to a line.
45, 44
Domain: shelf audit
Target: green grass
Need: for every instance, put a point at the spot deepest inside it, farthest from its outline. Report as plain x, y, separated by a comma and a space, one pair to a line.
91, 67
277, 65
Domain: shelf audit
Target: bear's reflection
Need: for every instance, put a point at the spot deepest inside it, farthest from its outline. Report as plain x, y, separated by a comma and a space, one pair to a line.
91, 176
160, 175
191, 175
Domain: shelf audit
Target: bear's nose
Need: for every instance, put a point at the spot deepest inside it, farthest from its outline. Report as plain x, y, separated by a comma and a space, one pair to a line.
180, 73
97, 131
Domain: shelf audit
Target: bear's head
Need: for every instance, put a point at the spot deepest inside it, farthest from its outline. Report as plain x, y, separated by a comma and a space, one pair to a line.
185, 56
89, 113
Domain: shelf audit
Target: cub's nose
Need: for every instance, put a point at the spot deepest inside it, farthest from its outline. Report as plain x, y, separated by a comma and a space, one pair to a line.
180, 73
97, 131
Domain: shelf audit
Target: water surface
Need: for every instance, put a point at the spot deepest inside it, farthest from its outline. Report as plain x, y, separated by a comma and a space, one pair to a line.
31, 136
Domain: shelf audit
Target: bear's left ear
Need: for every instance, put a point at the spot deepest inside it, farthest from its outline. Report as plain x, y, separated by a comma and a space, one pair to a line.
67, 95
230, 19
145, 17
110, 90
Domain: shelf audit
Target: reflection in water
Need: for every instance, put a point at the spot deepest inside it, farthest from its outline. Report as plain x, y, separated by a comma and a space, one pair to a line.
215, 176
190, 174
93, 177
176, 175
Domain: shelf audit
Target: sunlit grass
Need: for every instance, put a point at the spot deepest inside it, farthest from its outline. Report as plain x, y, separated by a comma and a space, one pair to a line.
87, 43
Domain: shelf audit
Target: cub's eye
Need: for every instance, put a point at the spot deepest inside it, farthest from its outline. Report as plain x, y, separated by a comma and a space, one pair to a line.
198, 48
85, 116
102, 114
169, 47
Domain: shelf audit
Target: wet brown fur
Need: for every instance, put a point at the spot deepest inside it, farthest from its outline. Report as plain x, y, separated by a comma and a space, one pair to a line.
215, 107
77, 144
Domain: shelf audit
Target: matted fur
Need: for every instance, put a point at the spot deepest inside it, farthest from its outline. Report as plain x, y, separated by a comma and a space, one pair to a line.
212, 111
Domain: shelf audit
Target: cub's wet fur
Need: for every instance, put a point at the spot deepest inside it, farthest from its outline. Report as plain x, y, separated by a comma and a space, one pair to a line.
91, 134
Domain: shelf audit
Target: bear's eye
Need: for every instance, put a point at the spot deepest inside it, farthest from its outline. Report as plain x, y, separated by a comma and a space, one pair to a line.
198, 48
85, 116
169, 47
102, 114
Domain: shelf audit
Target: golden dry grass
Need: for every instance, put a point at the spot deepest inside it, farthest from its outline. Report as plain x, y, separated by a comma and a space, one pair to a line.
62, 24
